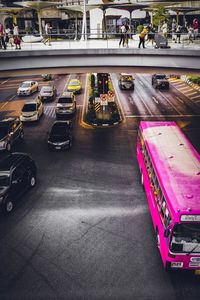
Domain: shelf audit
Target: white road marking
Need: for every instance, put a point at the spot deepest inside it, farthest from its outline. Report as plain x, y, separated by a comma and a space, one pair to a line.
171, 104
4, 81
179, 99
141, 82
154, 99
193, 93
4, 105
194, 97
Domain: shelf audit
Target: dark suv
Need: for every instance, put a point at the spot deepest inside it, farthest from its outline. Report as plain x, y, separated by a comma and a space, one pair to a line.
17, 174
160, 81
11, 130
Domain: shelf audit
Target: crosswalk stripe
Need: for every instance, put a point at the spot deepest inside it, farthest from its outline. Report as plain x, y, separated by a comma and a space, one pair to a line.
194, 97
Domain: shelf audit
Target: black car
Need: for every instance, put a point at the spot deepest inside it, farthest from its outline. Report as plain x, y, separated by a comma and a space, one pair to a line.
11, 130
60, 136
17, 173
48, 93
126, 82
160, 81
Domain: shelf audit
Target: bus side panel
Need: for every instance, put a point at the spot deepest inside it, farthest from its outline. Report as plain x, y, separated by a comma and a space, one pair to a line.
158, 226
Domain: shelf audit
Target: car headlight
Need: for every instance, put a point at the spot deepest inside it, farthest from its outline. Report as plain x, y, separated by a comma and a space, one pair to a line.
2, 143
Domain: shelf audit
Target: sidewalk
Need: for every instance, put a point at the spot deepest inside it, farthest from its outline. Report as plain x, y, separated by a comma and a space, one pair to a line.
96, 44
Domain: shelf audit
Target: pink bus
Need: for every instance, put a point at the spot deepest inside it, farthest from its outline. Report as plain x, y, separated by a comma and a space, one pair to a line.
170, 174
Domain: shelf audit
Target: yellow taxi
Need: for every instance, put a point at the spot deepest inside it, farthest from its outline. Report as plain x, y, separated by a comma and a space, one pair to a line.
74, 86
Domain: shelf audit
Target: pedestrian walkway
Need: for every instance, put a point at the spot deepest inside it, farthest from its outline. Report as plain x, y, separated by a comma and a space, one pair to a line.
97, 44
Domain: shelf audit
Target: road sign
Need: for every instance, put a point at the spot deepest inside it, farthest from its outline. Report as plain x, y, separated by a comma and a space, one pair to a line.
111, 96
104, 99
97, 106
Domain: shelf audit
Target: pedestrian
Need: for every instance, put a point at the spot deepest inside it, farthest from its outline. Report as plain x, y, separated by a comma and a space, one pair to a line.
17, 42
178, 34
127, 32
47, 38
15, 30
164, 29
195, 28
122, 35
142, 36
151, 35
2, 36
173, 29
190, 34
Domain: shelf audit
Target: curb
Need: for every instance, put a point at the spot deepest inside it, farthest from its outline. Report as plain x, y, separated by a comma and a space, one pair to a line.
193, 85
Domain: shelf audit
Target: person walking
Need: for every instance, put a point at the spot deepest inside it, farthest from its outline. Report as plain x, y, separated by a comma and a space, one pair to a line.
122, 35
173, 29
195, 25
164, 29
2, 36
190, 34
15, 30
178, 34
142, 37
127, 32
47, 34
17, 42
151, 35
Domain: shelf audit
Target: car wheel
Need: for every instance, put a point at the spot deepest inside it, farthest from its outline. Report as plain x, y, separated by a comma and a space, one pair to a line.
8, 206
32, 181
8, 147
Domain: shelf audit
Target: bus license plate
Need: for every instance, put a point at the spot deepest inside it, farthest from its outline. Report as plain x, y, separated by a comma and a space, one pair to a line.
58, 148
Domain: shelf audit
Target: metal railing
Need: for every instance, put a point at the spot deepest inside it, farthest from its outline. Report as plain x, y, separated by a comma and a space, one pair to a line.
97, 40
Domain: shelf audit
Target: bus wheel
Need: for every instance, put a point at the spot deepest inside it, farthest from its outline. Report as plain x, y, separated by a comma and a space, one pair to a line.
157, 239
142, 178
167, 266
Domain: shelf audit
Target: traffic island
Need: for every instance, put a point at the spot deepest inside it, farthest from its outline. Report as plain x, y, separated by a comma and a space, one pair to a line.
102, 108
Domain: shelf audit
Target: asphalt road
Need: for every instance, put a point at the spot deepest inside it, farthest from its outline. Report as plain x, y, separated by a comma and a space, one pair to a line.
85, 231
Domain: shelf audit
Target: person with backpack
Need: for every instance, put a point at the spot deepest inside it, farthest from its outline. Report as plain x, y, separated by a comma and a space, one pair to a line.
142, 36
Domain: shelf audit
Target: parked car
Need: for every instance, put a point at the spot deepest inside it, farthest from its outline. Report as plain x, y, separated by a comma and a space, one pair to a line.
32, 111
17, 173
11, 130
60, 136
126, 82
47, 77
47, 93
27, 88
66, 105
74, 86
160, 81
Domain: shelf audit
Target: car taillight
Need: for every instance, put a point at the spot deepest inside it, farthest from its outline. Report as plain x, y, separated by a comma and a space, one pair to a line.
171, 255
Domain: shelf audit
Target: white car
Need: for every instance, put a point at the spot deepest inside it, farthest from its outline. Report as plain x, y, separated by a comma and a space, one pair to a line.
27, 88
32, 111
66, 105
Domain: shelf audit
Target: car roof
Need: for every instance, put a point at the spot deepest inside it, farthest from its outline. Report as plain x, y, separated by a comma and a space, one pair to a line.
28, 81
75, 80
12, 160
47, 86
66, 94
32, 102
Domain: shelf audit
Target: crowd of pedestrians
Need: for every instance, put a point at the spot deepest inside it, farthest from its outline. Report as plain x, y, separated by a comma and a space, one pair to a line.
9, 36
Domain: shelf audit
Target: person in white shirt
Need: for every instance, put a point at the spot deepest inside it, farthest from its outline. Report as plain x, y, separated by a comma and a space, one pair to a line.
47, 34
122, 35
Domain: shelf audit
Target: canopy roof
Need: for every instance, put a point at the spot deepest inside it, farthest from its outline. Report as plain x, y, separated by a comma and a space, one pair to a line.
37, 5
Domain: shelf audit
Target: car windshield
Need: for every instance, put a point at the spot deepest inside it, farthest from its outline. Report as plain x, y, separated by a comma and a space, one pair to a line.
4, 180
25, 84
59, 129
127, 78
74, 83
65, 100
185, 238
160, 76
46, 89
29, 107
